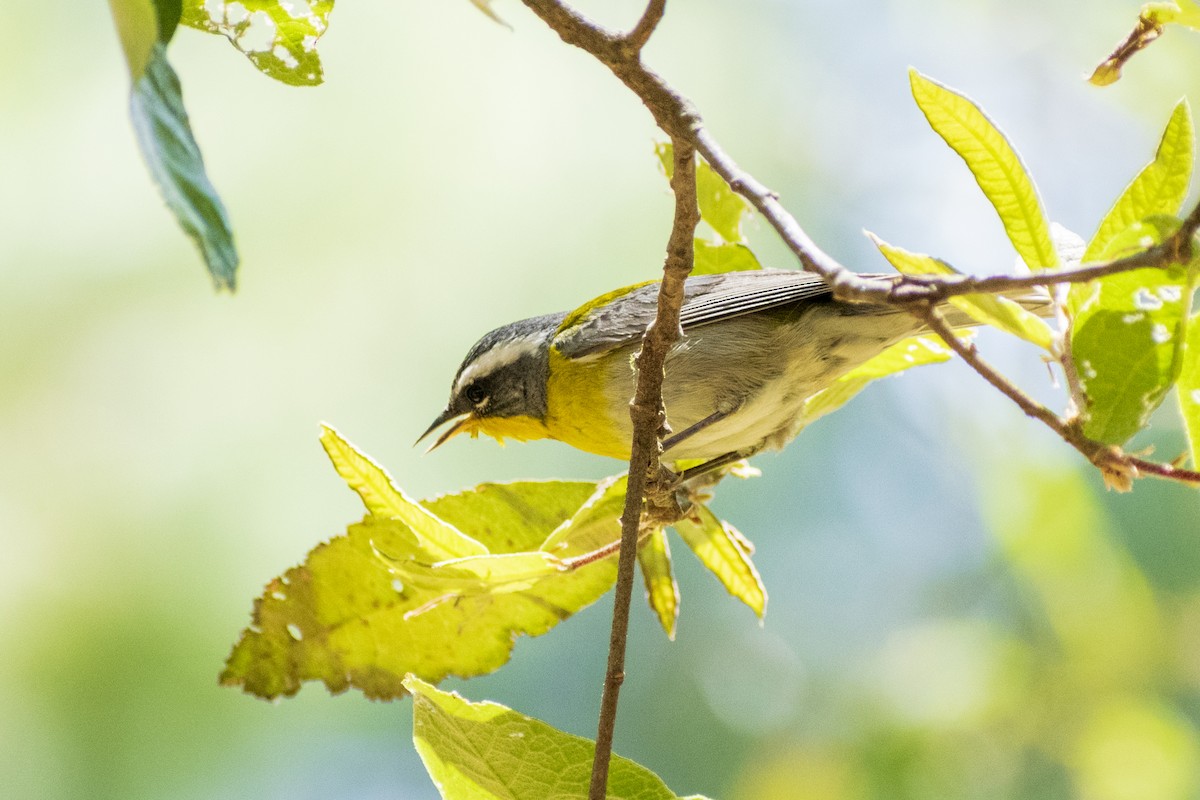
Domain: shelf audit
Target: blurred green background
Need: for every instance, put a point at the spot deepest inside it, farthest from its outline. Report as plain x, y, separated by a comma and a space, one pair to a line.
958, 609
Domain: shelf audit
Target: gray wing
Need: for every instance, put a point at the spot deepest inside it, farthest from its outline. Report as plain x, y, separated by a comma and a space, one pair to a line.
707, 299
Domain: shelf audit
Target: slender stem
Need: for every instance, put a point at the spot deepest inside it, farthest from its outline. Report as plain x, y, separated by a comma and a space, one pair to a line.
636, 39
1118, 467
646, 411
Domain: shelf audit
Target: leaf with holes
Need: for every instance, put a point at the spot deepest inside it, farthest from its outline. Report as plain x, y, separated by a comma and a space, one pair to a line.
278, 36
1128, 338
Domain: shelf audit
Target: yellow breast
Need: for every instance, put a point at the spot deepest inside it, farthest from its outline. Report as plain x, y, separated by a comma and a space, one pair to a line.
578, 408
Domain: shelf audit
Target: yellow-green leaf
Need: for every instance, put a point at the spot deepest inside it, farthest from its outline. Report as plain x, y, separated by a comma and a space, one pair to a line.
662, 592
995, 165
724, 551
1159, 188
368, 607
1188, 388
725, 257
278, 36
485, 751
1128, 342
381, 497
912, 352
999, 312
722, 208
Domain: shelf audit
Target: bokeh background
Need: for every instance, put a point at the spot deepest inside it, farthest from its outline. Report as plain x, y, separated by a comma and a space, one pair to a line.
958, 609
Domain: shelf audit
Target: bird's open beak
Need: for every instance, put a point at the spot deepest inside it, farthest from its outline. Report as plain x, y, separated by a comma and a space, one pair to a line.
460, 424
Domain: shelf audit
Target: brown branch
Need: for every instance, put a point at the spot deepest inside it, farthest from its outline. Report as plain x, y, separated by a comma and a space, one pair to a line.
1118, 467
646, 411
636, 39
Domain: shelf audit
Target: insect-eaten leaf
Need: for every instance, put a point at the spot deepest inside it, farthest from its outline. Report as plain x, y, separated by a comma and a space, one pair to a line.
278, 36
994, 163
486, 751
1128, 342
434, 588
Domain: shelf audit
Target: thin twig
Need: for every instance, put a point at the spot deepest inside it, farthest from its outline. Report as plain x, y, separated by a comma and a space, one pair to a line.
1118, 467
637, 37
648, 416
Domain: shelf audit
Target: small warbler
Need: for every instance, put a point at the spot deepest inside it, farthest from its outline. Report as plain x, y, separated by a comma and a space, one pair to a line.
755, 346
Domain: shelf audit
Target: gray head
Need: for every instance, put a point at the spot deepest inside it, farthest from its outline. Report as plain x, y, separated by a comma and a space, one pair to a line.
503, 375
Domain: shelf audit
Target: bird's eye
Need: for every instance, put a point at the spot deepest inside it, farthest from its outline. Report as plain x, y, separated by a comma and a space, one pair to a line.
475, 394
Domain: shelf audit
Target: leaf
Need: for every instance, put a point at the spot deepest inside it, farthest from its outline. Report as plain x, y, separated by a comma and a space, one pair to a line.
661, 590
725, 257
721, 207
1128, 338
381, 497
368, 607
726, 553
1159, 188
140, 25
485, 751
278, 36
912, 352
1189, 388
995, 165
999, 312
173, 157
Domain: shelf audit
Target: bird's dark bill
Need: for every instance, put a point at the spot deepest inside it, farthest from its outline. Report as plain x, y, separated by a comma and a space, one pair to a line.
461, 422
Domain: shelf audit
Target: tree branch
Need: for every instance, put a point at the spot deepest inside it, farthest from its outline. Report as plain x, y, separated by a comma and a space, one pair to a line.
649, 418
1118, 467
636, 39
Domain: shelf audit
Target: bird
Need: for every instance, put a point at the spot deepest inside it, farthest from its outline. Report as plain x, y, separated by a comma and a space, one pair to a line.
755, 346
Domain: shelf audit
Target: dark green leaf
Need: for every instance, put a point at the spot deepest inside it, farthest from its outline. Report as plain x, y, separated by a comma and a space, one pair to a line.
171, 153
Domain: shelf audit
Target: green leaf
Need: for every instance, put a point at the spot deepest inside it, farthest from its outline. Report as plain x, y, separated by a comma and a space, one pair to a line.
721, 207
368, 607
278, 36
725, 257
999, 312
995, 165
173, 157
1189, 388
140, 25
485, 751
1160, 187
662, 592
912, 352
726, 553
382, 498
1128, 339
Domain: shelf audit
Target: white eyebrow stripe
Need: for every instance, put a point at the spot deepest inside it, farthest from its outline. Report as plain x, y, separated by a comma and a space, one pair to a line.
499, 356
